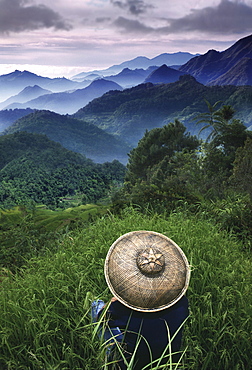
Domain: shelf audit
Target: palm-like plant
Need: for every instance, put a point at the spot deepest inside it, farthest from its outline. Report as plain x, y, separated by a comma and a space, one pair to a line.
216, 119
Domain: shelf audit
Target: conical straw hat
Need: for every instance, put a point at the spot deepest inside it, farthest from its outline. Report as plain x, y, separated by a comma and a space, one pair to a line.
146, 271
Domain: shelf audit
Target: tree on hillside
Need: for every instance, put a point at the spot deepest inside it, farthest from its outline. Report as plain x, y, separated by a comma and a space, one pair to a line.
226, 136
215, 119
227, 132
155, 173
154, 146
242, 173
210, 118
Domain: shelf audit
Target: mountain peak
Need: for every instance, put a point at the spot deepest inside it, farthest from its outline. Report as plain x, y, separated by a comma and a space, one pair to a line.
212, 65
164, 74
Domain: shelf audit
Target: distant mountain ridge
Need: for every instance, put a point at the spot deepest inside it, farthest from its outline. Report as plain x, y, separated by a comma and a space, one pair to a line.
29, 92
13, 83
169, 59
69, 102
129, 113
131, 77
232, 66
9, 116
209, 68
163, 75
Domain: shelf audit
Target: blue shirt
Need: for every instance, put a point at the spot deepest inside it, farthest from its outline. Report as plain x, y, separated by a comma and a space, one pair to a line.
152, 326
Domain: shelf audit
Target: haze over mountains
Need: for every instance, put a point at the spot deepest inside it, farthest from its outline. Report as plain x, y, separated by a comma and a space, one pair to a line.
142, 63
126, 99
68, 102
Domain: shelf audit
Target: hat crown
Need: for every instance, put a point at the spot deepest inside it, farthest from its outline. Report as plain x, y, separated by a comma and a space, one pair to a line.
150, 261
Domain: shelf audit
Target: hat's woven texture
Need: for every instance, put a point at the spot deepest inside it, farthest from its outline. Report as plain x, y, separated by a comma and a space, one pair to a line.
146, 271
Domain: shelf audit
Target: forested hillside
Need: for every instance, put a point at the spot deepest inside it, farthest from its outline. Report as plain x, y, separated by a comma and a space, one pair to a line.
7, 117
170, 168
76, 135
35, 170
130, 112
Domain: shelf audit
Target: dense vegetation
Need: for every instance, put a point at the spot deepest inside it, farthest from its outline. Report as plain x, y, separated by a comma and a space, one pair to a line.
197, 193
8, 116
79, 136
169, 167
36, 170
45, 312
130, 112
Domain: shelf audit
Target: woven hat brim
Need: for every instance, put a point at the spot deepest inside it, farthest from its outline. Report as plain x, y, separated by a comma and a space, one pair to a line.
140, 291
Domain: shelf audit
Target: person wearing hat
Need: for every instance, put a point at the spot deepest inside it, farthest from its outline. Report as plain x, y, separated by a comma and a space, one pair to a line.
148, 275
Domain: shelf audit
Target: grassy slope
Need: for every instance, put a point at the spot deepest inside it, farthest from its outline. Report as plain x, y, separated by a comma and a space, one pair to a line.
45, 324
24, 233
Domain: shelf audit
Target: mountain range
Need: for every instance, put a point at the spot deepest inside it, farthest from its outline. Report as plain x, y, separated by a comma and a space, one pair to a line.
130, 112
13, 83
110, 114
232, 66
68, 102
174, 59
110, 126
211, 67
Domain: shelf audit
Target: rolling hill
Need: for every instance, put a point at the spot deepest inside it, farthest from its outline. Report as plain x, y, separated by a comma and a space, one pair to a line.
73, 134
34, 169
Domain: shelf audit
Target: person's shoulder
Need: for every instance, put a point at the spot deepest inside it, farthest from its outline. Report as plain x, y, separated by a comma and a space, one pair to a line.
117, 306
182, 303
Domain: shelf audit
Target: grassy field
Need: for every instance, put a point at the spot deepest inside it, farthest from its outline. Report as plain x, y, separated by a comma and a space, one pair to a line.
45, 321
25, 233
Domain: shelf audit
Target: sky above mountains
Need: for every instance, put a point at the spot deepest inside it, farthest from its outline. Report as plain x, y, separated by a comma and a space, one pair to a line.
64, 37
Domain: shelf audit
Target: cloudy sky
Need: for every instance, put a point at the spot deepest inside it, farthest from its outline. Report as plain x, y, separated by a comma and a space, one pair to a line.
64, 37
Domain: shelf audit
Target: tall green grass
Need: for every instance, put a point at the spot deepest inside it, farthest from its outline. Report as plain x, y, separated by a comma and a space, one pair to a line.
45, 321
25, 232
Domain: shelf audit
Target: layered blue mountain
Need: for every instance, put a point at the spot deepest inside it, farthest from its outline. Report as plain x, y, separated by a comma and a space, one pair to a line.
70, 101
163, 75
240, 74
13, 83
9, 116
128, 77
210, 67
141, 62
28, 93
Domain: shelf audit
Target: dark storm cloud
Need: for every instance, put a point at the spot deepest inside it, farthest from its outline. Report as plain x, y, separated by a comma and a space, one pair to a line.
135, 7
131, 26
227, 17
21, 15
